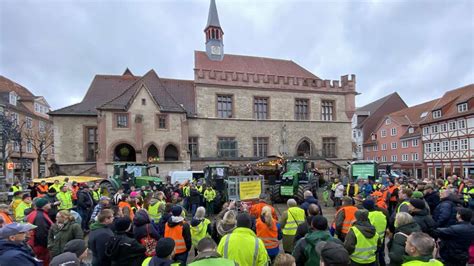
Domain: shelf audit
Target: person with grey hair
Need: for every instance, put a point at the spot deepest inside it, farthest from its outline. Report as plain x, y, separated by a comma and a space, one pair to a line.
420, 247
404, 226
200, 227
445, 213
289, 221
309, 198
362, 240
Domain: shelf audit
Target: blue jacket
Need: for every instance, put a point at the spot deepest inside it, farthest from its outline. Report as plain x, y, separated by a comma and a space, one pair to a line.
445, 213
16, 254
307, 202
455, 242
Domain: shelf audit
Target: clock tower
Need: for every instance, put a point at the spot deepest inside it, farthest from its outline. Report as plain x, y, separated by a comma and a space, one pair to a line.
214, 35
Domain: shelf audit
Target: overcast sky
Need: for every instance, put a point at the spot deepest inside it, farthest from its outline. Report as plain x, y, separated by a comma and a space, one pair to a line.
418, 48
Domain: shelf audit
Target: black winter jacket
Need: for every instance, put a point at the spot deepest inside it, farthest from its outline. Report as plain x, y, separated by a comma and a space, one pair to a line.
127, 252
307, 202
433, 200
424, 220
143, 226
303, 229
84, 200
445, 213
455, 242
98, 237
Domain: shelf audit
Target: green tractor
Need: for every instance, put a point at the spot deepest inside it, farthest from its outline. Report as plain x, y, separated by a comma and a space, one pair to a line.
296, 177
216, 176
130, 174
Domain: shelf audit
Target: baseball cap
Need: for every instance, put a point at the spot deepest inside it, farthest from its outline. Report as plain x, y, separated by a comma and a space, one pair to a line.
331, 252
14, 229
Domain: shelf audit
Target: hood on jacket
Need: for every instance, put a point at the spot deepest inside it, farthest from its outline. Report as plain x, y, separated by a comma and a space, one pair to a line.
141, 218
225, 228
416, 212
366, 229
6, 245
408, 228
317, 236
97, 225
195, 222
311, 200
175, 220
155, 261
207, 255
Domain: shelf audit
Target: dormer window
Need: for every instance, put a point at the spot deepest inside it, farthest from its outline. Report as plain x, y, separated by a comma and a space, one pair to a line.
462, 107
13, 98
411, 130
374, 137
388, 121
436, 114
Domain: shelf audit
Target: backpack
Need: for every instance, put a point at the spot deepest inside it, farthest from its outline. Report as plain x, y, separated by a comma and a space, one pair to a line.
149, 243
310, 253
112, 246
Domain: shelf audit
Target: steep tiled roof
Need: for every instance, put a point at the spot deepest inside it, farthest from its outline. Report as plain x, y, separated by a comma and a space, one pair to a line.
154, 85
251, 64
448, 104
378, 109
7, 85
183, 93
413, 115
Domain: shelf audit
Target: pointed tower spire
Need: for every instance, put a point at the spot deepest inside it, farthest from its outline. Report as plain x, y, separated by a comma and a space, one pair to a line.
214, 35
213, 18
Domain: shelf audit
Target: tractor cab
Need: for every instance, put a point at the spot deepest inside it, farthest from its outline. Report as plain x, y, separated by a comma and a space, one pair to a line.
215, 176
126, 175
294, 171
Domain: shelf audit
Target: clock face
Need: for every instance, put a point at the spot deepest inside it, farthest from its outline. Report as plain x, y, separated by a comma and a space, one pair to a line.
215, 50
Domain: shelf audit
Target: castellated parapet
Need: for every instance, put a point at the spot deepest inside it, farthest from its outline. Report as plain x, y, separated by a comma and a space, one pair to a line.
242, 79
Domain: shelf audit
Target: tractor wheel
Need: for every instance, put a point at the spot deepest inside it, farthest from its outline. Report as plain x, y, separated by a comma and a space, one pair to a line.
107, 189
275, 194
313, 186
300, 194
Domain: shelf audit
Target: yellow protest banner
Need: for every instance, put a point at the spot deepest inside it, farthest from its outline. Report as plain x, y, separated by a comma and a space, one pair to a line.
250, 189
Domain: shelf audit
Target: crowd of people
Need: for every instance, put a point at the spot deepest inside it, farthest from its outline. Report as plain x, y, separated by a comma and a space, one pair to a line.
418, 222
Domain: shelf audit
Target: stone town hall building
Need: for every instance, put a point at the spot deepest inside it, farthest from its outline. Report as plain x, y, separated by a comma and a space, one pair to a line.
237, 109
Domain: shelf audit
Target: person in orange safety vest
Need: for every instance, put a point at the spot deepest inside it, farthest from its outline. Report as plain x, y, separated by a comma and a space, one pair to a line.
345, 216
180, 231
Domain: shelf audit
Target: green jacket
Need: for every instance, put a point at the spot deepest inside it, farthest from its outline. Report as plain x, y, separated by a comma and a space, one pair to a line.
305, 253
59, 236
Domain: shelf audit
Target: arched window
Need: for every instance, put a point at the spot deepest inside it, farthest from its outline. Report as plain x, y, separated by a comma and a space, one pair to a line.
171, 153
124, 153
152, 154
304, 149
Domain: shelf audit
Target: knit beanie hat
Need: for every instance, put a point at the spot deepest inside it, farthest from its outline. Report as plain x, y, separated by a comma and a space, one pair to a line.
368, 204
418, 203
164, 247
41, 202
77, 246
122, 224
176, 210
417, 195
319, 222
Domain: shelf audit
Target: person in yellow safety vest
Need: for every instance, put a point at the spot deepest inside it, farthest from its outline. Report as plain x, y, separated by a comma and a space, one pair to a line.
376, 218
468, 193
352, 189
289, 222
199, 187
17, 199
16, 187
155, 209
56, 186
209, 196
242, 245
20, 210
362, 241
419, 247
404, 195
186, 196
164, 254
208, 255
96, 193
65, 199
200, 227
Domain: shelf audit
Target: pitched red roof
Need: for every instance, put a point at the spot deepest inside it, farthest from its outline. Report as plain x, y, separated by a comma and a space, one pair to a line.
413, 115
251, 64
7, 85
448, 104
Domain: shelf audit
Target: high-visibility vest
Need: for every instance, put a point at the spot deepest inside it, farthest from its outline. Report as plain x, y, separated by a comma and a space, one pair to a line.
146, 262
200, 231
212, 262
6, 218
96, 195
401, 204
349, 217
43, 190
16, 188
392, 189
20, 211
365, 248
209, 194
199, 188
355, 191
379, 196
186, 191
65, 199
379, 221
125, 205
295, 218
333, 187
269, 236
176, 233
56, 187
236, 246
431, 262
154, 210
467, 193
